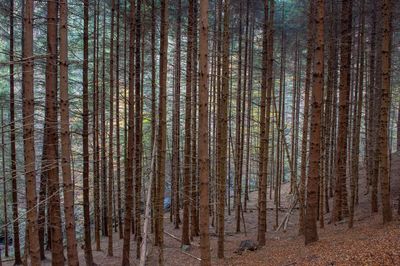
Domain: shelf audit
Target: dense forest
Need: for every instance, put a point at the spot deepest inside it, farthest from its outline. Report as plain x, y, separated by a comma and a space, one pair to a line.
199, 132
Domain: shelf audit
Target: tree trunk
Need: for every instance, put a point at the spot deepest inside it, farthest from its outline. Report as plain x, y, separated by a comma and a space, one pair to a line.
72, 253
117, 123
223, 131
51, 129
311, 234
96, 147
194, 216
130, 148
85, 136
138, 131
17, 252
203, 135
187, 151
162, 140
28, 129
176, 125
384, 169
304, 141
340, 201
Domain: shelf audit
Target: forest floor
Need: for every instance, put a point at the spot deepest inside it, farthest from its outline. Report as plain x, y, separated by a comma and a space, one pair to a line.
367, 243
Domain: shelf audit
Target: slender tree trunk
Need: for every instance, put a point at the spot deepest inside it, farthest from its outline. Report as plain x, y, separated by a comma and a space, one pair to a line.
117, 122
162, 126
345, 50
28, 129
194, 216
85, 136
138, 131
223, 131
153, 108
103, 133
130, 148
187, 151
266, 93
311, 214
17, 252
304, 141
176, 124
238, 144
357, 123
203, 135
384, 169
5, 228
51, 129
72, 253
110, 140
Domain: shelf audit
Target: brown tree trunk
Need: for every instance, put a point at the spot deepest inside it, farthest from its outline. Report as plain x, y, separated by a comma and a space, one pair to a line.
187, 151
176, 126
96, 149
304, 141
110, 140
104, 210
28, 129
223, 131
238, 144
266, 93
130, 148
203, 135
162, 126
17, 252
117, 123
51, 129
311, 214
384, 169
138, 131
153, 108
72, 253
85, 136
341, 160
357, 123
194, 216
3, 162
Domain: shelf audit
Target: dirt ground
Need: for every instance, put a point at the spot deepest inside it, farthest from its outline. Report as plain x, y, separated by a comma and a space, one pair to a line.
368, 243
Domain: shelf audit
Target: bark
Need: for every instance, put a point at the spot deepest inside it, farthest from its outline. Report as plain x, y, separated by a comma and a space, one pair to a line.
103, 133
311, 234
130, 148
238, 143
5, 226
384, 111
17, 252
340, 200
203, 135
223, 131
266, 93
162, 127
28, 129
51, 129
72, 253
304, 141
357, 122
117, 122
85, 136
138, 131
153, 108
194, 216
110, 140
176, 125
95, 124
187, 148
